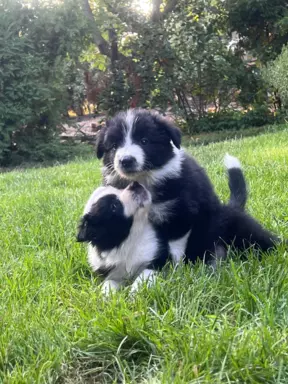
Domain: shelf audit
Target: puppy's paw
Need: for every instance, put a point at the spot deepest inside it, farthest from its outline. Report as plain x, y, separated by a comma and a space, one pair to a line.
134, 289
109, 287
147, 276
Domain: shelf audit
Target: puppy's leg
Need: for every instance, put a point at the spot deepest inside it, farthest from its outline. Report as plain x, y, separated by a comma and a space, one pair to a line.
148, 275
219, 255
177, 248
109, 286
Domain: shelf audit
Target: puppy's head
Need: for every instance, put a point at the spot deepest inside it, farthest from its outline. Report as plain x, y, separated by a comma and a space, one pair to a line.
112, 215
136, 142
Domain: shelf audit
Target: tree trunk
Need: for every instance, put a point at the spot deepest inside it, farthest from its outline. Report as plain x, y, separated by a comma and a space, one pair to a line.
101, 43
114, 46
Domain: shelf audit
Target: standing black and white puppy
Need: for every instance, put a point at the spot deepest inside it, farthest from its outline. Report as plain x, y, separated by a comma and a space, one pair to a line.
122, 242
142, 146
138, 145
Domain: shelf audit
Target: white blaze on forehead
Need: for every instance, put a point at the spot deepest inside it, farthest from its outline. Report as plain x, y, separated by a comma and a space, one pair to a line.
129, 148
130, 119
130, 204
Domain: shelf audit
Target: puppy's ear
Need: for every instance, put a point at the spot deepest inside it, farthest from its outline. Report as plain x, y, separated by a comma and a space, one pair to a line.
172, 131
82, 230
100, 149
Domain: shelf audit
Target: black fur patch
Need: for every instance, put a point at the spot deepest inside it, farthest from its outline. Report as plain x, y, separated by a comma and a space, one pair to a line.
105, 226
228, 226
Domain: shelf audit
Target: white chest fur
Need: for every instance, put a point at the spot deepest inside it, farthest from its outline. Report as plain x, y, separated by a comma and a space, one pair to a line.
132, 256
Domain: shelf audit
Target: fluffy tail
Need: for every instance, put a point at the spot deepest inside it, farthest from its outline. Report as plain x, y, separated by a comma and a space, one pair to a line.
237, 183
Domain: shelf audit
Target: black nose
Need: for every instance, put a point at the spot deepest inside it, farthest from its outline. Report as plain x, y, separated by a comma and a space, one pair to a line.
128, 162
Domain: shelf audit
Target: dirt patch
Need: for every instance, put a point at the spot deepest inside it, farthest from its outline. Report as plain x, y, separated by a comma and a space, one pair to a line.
85, 128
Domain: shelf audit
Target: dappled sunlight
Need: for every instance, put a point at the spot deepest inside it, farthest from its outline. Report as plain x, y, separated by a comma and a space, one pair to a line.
142, 6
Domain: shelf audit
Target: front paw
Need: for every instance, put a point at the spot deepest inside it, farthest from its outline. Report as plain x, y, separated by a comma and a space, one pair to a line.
147, 276
109, 287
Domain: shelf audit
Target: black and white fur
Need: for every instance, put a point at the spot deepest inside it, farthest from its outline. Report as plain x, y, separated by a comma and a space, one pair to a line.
122, 242
143, 146
230, 225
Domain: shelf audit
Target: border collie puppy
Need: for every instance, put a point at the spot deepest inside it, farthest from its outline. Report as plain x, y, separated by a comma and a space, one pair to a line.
138, 145
122, 242
142, 146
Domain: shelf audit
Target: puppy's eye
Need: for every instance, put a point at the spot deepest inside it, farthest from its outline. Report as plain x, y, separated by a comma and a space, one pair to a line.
144, 141
114, 146
114, 207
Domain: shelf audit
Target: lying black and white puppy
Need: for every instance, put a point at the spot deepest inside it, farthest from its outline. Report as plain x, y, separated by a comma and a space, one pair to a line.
122, 242
142, 146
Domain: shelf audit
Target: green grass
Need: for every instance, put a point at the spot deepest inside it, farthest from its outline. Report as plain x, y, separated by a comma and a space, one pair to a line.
205, 138
192, 327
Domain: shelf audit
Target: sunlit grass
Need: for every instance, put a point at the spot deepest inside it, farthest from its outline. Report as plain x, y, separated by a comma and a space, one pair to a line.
192, 327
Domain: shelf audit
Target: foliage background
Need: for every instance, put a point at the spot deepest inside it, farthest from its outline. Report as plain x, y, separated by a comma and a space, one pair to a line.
214, 65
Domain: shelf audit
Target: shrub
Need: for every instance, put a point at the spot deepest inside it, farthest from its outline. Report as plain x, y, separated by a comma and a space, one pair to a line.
276, 75
234, 120
33, 97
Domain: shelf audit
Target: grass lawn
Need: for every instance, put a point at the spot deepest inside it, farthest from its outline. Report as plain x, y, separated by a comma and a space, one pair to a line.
192, 327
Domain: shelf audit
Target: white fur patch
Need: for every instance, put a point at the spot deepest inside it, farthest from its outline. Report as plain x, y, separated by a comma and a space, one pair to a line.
231, 162
129, 148
110, 177
148, 276
94, 259
132, 256
133, 203
109, 286
97, 194
171, 169
178, 247
130, 119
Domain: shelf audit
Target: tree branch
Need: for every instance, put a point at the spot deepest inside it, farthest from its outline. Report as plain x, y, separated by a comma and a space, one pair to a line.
114, 45
156, 14
170, 6
101, 43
